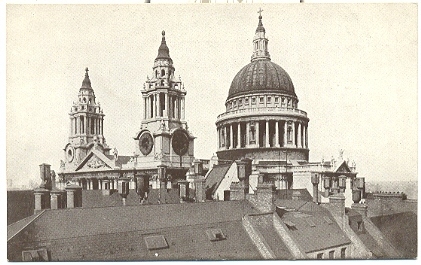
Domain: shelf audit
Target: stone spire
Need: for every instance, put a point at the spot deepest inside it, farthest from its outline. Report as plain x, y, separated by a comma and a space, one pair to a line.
163, 51
260, 42
86, 81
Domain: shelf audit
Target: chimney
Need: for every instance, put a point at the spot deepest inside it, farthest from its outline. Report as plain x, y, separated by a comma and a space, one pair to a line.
200, 188
198, 167
326, 185
45, 174
42, 199
315, 182
265, 195
142, 186
58, 199
237, 191
183, 190
360, 208
248, 170
74, 196
123, 188
337, 206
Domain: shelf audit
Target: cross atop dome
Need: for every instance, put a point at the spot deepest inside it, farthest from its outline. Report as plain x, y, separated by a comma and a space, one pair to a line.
260, 12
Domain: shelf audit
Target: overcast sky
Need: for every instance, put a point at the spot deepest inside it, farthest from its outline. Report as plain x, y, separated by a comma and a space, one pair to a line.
354, 68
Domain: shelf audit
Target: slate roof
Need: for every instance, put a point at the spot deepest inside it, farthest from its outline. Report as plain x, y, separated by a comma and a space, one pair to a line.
368, 240
95, 198
214, 178
401, 231
263, 223
122, 160
16, 227
118, 233
313, 231
287, 194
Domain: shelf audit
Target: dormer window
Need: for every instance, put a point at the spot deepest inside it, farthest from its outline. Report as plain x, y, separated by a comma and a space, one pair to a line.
246, 101
240, 102
276, 100
262, 100
269, 99
253, 101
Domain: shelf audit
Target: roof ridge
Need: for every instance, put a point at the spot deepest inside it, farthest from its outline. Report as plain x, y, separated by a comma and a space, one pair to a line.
19, 230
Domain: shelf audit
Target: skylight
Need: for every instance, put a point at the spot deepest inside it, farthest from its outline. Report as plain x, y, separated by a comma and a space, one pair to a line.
215, 234
156, 242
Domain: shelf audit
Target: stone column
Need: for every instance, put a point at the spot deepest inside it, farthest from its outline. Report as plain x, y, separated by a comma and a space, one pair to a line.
247, 134
86, 125
159, 104
231, 146
306, 136
239, 135
166, 105
99, 184
176, 108
183, 108
277, 134
257, 134
294, 140
144, 109
299, 135
267, 144
219, 137
226, 136
102, 126
285, 133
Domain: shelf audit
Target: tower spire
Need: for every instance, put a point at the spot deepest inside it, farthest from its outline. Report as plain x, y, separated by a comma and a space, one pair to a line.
86, 83
163, 51
260, 42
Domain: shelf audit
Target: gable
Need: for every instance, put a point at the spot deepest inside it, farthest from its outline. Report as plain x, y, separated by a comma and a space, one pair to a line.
94, 161
343, 168
214, 178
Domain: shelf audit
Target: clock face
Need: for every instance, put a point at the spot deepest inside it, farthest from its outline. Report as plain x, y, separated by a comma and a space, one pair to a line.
70, 153
180, 142
145, 143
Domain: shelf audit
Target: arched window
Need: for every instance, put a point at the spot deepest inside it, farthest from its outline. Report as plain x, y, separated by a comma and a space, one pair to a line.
162, 72
84, 100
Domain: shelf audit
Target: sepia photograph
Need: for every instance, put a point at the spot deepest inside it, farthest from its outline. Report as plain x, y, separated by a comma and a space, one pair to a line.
211, 131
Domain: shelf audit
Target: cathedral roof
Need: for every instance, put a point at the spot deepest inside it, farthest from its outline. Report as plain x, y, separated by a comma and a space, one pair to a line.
261, 76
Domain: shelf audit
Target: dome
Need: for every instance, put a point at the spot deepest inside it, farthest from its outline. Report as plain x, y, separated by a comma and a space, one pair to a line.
261, 76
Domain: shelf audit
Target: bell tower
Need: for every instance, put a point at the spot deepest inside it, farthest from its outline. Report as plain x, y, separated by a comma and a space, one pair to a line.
86, 126
164, 138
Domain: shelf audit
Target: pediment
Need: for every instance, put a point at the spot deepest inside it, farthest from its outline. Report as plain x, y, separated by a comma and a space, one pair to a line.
94, 161
343, 168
